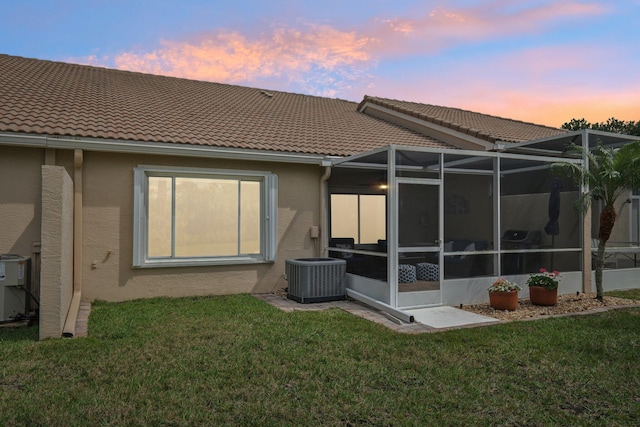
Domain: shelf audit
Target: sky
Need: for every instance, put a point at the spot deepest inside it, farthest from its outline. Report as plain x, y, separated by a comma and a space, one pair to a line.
544, 62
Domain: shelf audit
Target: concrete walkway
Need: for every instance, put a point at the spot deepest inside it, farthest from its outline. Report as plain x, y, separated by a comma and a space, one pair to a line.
432, 319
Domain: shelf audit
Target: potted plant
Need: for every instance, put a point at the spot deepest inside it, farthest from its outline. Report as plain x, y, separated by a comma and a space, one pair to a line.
503, 295
543, 287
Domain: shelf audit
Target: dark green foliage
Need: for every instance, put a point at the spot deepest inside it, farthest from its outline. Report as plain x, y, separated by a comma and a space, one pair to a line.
611, 172
611, 125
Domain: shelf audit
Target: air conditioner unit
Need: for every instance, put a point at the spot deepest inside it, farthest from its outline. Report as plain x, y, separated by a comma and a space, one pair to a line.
14, 278
316, 279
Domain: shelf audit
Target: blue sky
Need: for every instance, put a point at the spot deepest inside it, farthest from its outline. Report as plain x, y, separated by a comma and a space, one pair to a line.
539, 61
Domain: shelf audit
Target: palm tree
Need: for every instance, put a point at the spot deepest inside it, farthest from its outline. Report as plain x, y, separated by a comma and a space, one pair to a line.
609, 174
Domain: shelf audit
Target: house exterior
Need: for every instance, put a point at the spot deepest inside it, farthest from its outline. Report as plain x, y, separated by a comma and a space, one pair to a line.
123, 185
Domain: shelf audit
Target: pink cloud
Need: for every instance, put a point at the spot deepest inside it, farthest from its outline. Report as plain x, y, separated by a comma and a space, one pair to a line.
231, 57
326, 61
436, 29
301, 54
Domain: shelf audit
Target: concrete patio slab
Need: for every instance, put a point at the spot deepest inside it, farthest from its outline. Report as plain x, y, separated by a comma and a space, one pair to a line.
448, 317
427, 320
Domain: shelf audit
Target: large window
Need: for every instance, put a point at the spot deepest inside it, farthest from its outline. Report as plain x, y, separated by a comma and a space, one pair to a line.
360, 216
201, 216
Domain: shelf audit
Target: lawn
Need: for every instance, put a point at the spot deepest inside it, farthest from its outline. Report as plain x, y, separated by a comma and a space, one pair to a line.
631, 294
235, 360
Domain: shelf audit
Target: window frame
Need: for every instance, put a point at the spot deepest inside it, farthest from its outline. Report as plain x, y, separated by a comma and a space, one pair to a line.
359, 214
268, 216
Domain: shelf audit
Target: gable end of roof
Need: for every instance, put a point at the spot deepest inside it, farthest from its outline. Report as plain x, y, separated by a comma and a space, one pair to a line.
450, 133
491, 129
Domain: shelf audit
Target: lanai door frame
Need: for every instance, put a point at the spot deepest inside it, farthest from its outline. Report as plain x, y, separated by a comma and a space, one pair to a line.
420, 298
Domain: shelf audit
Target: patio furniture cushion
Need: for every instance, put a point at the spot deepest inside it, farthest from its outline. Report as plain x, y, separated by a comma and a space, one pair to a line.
427, 271
406, 273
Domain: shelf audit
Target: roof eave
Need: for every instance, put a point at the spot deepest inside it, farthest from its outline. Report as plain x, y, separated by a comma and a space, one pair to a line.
157, 148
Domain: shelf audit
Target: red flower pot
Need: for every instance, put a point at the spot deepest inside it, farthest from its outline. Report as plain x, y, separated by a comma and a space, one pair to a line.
504, 300
543, 296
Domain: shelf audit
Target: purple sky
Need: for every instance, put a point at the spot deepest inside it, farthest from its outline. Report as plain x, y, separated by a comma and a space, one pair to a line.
540, 61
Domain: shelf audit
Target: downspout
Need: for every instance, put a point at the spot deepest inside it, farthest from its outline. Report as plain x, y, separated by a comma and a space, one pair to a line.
324, 223
69, 329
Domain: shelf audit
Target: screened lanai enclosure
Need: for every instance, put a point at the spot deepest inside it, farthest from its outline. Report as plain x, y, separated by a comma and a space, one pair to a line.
420, 227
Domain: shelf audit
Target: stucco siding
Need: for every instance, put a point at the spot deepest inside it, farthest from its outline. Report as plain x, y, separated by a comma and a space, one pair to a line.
57, 250
108, 231
20, 188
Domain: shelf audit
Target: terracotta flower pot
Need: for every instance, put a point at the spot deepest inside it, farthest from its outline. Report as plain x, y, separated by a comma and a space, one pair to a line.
504, 300
543, 296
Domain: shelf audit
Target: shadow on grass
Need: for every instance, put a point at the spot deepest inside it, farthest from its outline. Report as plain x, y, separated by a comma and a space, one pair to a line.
9, 333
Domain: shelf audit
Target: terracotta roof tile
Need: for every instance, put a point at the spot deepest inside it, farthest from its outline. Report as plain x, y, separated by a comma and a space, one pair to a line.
490, 128
55, 98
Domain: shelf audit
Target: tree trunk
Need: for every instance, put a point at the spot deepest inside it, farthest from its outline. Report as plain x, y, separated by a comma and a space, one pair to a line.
599, 267
607, 221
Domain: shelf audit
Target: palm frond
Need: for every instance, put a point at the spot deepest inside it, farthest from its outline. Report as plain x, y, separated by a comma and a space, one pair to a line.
611, 172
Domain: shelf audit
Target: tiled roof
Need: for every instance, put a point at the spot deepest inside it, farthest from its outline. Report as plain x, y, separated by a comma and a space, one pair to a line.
54, 98
489, 128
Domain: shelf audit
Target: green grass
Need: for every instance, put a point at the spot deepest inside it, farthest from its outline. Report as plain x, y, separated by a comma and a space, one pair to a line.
235, 360
630, 294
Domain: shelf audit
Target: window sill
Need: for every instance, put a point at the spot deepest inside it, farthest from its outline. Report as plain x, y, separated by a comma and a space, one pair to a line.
200, 262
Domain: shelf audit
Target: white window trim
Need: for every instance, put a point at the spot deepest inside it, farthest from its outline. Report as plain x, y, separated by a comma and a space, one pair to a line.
269, 214
357, 237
